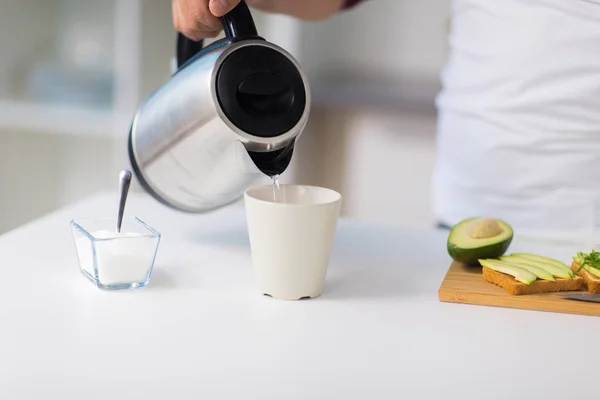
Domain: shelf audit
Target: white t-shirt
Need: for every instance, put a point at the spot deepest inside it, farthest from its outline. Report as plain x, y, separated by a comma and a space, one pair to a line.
519, 114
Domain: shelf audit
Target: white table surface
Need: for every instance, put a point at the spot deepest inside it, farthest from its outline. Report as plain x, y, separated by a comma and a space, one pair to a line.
201, 331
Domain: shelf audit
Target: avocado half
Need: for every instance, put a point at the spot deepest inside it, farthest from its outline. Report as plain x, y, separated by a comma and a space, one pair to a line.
479, 238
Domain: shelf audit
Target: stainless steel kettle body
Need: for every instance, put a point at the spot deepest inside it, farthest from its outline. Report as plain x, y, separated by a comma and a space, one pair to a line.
230, 115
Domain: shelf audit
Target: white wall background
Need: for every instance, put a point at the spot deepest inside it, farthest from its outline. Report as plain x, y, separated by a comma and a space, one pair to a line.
387, 52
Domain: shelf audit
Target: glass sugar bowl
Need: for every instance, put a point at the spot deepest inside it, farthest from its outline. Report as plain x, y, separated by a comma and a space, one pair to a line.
112, 260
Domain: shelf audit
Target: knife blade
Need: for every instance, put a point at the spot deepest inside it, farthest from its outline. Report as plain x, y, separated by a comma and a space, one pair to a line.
592, 298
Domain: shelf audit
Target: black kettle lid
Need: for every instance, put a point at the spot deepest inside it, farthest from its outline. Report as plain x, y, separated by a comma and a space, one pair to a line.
260, 90
258, 86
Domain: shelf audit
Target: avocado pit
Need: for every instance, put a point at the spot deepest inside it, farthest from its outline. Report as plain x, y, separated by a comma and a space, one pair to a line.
484, 228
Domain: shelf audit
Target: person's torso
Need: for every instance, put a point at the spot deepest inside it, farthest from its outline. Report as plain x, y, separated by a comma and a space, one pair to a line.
519, 113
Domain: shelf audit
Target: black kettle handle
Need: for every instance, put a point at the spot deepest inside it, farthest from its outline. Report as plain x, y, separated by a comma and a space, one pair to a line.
236, 24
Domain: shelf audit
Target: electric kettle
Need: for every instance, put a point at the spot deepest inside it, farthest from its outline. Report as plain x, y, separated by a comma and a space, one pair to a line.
228, 116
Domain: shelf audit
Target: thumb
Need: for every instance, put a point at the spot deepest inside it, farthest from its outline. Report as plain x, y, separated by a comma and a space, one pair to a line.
218, 8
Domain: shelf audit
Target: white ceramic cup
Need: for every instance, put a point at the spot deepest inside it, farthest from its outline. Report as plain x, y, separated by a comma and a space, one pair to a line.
291, 238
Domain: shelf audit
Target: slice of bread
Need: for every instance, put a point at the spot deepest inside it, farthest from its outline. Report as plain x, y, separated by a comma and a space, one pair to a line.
592, 282
514, 287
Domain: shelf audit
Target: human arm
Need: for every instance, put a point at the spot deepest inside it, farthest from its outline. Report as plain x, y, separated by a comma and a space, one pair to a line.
199, 19
306, 10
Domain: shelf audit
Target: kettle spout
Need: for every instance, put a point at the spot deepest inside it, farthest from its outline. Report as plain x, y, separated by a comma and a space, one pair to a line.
275, 162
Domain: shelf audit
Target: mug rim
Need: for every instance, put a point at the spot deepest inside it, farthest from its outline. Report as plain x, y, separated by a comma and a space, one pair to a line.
337, 196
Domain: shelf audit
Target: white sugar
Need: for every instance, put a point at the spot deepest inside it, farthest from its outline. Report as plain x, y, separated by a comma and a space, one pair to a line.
126, 259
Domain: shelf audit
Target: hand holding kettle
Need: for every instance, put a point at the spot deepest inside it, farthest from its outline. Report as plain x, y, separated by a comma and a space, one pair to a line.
199, 19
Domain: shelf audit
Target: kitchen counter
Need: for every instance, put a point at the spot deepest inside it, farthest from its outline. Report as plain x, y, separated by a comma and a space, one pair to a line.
201, 331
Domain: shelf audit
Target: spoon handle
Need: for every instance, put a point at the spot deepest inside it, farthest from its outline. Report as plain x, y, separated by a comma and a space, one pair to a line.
124, 182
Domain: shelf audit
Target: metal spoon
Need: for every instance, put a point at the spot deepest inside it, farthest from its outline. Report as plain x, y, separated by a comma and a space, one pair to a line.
124, 182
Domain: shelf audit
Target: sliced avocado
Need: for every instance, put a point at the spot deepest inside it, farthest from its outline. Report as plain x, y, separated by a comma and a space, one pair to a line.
556, 271
519, 273
592, 270
580, 259
541, 273
544, 261
478, 238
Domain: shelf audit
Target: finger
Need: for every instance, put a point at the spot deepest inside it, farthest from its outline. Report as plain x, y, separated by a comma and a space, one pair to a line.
202, 17
193, 19
175, 8
218, 8
183, 22
176, 11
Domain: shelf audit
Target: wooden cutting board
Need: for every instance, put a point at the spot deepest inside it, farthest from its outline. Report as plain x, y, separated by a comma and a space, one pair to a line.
466, 285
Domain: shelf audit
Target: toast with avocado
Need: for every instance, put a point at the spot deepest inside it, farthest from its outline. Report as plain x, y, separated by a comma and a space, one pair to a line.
587, 266
484, 240
520, 274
